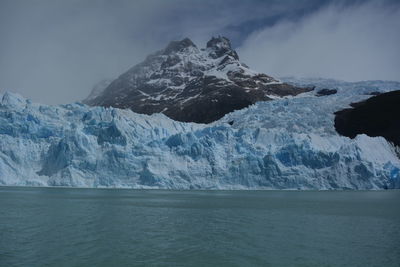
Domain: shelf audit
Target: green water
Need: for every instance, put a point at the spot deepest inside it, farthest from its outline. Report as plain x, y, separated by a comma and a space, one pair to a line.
91, 227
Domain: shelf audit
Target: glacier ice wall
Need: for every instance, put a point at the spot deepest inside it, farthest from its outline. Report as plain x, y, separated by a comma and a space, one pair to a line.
282, 144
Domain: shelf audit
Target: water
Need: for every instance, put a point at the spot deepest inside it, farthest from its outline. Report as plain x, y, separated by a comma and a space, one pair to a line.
91, 227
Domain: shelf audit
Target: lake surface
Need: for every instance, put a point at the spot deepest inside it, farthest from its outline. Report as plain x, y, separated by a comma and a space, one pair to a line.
93, 227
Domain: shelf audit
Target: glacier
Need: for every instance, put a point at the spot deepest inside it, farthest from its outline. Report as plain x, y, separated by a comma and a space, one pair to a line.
286, 143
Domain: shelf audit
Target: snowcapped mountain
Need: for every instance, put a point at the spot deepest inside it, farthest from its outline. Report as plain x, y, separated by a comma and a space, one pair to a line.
281, 144
191, 84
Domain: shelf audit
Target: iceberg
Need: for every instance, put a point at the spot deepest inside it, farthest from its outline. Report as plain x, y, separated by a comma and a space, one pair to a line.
281, 144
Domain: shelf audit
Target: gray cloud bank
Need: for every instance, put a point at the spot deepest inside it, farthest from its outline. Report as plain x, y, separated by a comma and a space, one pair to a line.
54, 51
361, 42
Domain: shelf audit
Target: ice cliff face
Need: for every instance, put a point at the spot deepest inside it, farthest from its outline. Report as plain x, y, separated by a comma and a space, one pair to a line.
191, 84
283, 144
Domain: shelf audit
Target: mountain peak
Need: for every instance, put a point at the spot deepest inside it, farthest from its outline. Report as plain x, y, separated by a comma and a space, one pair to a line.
221, 46
218, 42
191, 84
176, 46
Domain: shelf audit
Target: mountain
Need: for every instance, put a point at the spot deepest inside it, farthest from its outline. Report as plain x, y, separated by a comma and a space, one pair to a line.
282, 144
376, 116
192, 85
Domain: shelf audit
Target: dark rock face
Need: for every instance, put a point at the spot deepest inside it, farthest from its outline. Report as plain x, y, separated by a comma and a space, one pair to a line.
324, 92
191, 84
376, 116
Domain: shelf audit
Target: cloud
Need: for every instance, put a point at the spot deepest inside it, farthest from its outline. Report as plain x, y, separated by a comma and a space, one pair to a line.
357, 42
54, 51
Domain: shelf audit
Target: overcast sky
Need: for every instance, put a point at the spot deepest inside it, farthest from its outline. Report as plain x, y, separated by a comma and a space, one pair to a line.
54, 51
